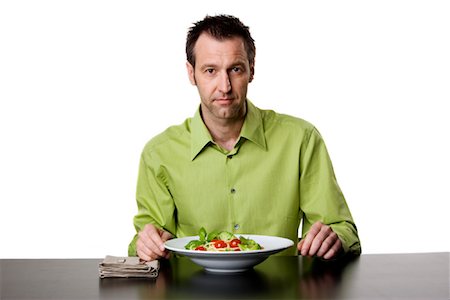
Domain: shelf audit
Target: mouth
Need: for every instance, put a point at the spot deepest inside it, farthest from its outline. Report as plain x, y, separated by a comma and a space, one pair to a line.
223, 100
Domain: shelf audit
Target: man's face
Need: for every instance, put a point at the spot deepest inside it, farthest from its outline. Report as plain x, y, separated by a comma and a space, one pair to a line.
222, 73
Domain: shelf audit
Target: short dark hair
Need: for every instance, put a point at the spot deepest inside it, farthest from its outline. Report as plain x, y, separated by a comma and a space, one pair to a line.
220, 27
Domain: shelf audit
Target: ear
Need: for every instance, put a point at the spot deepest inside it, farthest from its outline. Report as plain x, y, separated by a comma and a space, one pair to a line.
252, 72
190, 70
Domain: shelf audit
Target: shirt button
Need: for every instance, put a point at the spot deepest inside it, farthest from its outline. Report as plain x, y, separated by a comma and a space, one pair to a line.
233, 190
236, 226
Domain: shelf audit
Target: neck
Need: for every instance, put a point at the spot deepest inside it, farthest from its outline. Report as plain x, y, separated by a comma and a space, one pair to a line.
226, 136
225, 132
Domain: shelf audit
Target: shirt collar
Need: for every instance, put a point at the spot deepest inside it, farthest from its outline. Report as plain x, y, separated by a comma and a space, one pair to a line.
252, 130
200, 136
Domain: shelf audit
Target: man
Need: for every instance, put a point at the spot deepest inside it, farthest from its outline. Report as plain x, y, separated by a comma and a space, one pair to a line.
235, 167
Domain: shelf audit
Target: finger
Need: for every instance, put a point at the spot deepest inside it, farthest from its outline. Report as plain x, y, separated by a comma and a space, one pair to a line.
147, 253
157, 241
142, 251
334, 250
327, 244
167, 255
147, 238
300, 245
143, 256
320, 237
165, 236
313, 231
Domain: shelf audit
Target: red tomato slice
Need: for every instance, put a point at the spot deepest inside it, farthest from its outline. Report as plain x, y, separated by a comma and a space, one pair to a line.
200, 248
234, 243
220, 244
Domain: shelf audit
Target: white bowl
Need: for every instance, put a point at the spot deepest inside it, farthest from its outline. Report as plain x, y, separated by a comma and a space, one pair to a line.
230, 261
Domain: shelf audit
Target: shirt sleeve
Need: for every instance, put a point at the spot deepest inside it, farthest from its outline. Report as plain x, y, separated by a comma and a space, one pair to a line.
154, 201
321, 198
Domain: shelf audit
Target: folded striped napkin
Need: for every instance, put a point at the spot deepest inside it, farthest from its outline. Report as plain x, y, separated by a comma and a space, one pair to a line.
120, 266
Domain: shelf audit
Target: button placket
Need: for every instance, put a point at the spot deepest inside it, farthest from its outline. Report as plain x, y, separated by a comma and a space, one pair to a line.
231, 165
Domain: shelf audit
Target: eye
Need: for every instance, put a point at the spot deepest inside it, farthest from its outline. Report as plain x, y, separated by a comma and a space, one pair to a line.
236, 69
209, 70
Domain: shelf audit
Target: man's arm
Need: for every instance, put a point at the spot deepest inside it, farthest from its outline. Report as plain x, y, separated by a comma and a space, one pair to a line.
328, 226
154, 221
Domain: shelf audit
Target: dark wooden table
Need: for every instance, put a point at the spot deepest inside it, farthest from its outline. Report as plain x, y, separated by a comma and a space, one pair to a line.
387, 276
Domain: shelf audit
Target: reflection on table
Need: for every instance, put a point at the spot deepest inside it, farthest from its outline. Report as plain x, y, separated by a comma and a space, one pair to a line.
386, 276
276, 278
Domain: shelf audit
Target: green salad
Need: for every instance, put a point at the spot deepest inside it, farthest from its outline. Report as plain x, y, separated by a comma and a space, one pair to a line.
221, 241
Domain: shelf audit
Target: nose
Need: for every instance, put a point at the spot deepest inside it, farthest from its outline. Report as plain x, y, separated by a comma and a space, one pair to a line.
224, 84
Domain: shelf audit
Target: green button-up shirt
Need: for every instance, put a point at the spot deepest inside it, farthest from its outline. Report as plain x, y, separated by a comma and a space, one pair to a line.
278, 173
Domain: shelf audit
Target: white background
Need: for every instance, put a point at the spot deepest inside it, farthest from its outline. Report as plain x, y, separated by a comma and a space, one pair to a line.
85, 84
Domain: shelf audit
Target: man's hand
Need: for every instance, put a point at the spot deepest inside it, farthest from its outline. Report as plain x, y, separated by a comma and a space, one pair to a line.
320, 241
150, 243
